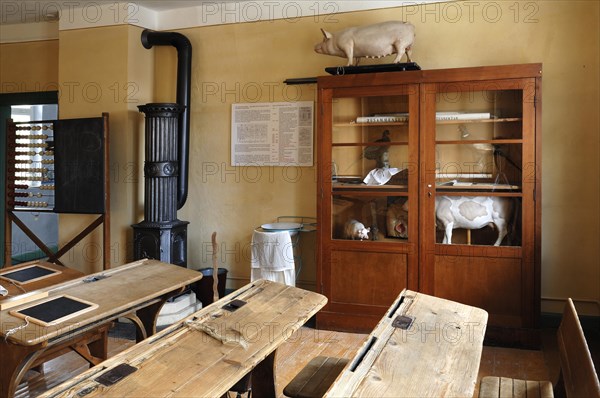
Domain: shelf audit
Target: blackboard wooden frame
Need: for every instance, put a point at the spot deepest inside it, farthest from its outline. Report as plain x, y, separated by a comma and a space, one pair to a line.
49, 273
68, 307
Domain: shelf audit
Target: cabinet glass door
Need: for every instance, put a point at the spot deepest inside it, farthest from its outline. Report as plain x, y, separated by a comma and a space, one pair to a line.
478, 210
481, 163
373, 162
368, 200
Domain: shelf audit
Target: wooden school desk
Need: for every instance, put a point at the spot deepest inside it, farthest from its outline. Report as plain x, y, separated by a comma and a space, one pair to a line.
136, 291
423, 347
25, 289
205, 354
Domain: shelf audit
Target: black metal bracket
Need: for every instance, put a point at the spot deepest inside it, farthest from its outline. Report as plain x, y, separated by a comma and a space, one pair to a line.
116, 374
403, 322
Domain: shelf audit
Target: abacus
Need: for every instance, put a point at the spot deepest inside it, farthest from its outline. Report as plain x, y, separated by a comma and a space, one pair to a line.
30, 165
58, 166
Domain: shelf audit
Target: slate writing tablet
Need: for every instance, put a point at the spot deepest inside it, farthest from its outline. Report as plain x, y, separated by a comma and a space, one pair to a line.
54, 310
28, 274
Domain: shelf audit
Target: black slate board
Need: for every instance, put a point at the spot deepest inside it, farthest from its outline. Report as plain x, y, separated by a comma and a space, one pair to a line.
79, 166
27, 274
54, 309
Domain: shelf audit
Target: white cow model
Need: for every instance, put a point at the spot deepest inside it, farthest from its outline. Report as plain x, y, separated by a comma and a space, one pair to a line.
354, 229
372, 41
472, 212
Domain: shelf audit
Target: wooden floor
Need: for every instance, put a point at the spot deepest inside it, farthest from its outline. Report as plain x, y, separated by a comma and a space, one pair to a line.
294, 354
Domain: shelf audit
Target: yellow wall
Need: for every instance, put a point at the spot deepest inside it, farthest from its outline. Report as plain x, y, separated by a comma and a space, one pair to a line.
231, 64
107, 70
30, 66
248, 63
95, 70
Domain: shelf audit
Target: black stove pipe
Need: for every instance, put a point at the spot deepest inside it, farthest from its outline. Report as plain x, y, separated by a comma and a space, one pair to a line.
184, 72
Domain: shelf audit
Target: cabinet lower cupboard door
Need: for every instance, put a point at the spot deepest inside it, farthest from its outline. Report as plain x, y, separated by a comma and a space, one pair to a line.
369, 148
429, 180
364, 291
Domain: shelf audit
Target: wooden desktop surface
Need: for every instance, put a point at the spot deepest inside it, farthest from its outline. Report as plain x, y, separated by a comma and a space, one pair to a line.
437, 356
136, 291
123, 288
63, 274
205, 354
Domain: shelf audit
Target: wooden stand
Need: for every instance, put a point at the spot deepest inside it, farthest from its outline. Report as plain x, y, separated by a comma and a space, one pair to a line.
77, 179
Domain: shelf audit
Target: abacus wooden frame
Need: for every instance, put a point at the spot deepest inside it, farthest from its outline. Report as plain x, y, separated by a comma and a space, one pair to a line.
102, 219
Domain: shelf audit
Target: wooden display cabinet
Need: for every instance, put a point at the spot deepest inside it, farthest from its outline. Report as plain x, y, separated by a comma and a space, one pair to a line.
466, 145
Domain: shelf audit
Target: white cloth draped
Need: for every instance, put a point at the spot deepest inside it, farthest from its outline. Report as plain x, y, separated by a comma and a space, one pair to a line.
380, 176
273, 257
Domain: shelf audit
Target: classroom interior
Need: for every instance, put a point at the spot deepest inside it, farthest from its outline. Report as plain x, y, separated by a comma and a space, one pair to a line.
90, 60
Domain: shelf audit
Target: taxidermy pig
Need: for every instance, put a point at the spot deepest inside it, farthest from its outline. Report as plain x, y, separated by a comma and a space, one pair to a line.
356, 230
372, 41
472, 212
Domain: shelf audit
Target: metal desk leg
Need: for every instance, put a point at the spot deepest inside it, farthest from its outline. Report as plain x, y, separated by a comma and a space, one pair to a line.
263, 377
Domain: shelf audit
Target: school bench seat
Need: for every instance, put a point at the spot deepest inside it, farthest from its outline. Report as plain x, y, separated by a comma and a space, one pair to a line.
494, 386
315, 378
577, 373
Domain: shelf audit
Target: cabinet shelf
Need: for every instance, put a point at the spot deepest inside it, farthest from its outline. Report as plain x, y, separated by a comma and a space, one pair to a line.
362, 188
500, 252
465, 121
470, 142
373, 244
370, 143
477, 186
370, 124
469, 121
511, 194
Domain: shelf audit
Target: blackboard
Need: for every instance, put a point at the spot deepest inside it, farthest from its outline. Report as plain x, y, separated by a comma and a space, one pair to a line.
25, 275
79, 166
55, 309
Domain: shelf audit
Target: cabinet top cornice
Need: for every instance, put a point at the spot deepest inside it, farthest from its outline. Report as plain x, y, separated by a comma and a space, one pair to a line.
477, 73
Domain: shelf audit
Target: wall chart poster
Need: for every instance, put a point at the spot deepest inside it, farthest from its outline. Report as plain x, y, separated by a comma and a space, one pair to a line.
272, 134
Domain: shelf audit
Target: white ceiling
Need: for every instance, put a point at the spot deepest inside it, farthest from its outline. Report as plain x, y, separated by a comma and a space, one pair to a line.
16, 12
33, 20
29, 11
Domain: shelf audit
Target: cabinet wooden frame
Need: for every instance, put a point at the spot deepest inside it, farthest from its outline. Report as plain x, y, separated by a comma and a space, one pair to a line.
457, 272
